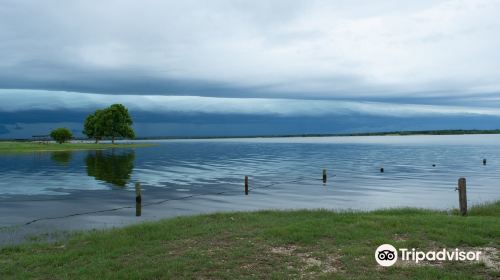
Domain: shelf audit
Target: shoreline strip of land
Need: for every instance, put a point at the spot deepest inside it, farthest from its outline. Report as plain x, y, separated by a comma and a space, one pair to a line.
310, 244
7, 147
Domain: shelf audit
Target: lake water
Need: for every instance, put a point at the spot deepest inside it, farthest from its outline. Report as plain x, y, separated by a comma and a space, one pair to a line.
47, 192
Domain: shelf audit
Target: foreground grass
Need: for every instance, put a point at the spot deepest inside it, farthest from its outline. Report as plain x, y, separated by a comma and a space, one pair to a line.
20, 147
263, 245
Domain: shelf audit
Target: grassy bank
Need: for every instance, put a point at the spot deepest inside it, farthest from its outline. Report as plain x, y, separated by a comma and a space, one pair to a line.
266, 245
20, 147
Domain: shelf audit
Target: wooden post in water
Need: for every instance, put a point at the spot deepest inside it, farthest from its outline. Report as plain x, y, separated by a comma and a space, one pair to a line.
462, 196
381, 170
138, 199
324, 175
246, 185
484, 161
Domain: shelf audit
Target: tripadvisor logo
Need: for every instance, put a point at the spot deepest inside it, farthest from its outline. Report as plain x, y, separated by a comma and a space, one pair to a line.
387, 255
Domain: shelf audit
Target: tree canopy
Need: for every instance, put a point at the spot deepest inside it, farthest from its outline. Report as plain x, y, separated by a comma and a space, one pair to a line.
61, 135
92, 128
112, 122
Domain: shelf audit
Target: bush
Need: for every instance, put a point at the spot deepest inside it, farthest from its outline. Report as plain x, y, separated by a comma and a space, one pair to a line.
61, 135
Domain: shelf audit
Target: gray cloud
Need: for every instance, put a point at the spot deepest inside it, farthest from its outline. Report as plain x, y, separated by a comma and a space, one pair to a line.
279, 49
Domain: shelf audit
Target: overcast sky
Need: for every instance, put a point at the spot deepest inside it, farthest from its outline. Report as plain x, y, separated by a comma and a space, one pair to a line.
336, 58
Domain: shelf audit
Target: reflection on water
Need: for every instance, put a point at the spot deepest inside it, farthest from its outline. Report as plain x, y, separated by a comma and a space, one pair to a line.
62, 158
114, 167
419, 171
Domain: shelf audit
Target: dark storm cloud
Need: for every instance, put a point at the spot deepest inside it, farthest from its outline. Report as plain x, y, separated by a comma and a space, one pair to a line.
245, 125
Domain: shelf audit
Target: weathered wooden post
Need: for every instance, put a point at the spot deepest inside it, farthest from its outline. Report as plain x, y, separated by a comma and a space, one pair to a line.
138, 199
324, 175
246, 185
462, 196
484, 161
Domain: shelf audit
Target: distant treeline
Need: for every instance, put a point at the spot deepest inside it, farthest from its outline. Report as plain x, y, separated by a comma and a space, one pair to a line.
395, 133
428, 132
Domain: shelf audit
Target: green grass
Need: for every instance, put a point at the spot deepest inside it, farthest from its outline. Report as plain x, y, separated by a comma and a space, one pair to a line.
20, 147
263, 245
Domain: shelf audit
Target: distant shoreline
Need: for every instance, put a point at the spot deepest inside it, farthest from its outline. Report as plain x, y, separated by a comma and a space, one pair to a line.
387, 133
8, 147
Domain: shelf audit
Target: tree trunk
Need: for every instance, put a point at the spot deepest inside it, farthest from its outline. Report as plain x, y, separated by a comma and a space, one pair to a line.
113, 140
96, 140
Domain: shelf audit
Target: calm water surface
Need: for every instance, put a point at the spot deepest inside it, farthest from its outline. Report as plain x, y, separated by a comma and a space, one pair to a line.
96, 188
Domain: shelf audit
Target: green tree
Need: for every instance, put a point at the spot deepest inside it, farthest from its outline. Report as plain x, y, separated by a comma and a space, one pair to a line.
93, 126
111, 122
61, 135
116, 122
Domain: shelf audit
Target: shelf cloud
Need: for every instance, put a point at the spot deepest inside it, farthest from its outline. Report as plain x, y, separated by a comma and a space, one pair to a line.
22, 100
356, 64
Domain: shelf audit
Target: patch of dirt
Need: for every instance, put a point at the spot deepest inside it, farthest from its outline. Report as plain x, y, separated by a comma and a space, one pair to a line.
180, 248
409, 263
400, 237
331, 264
284, 250
490, 257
